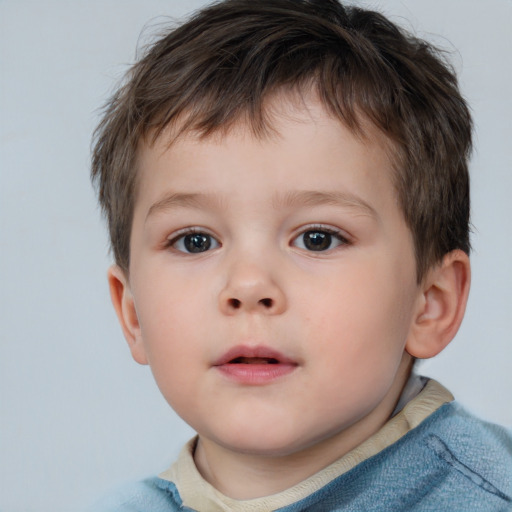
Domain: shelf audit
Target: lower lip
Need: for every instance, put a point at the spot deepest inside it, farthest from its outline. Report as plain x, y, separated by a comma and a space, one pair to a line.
256, 374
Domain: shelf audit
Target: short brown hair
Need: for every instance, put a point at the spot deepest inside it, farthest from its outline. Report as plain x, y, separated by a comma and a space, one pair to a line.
223, 63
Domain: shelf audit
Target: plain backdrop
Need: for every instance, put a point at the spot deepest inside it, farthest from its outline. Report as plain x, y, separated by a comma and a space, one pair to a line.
77, 416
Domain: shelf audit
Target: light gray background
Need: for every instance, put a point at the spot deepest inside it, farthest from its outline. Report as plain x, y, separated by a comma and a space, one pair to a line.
77, 415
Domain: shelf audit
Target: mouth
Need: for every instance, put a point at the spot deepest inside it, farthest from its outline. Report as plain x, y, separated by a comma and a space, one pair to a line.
259, 355
254, 365
254, 360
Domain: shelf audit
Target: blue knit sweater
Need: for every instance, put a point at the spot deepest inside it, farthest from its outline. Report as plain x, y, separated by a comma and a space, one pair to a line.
451, 462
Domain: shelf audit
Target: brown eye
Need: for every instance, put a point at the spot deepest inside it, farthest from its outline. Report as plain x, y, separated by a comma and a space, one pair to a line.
318, 240
194, 243
197, 242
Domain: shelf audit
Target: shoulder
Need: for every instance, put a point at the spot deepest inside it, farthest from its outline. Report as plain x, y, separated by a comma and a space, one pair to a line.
478, 452
152, 494
475, 442
451, 461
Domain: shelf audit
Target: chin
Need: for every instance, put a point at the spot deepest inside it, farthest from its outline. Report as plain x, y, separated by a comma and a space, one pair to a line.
265, 441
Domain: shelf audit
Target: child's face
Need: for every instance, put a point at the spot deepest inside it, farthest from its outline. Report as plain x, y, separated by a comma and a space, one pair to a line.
290, 250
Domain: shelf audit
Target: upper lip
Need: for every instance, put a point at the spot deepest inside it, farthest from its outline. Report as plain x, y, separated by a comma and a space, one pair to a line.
253, 352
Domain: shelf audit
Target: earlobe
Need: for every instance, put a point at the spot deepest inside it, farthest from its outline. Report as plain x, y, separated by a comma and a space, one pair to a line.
441, 306
124, 305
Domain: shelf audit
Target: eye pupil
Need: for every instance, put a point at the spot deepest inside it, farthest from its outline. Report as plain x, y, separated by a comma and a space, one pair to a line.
317, 240
197, 242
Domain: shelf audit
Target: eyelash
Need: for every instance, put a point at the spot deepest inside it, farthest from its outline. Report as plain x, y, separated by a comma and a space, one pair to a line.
182, 234
318, 228
209, 239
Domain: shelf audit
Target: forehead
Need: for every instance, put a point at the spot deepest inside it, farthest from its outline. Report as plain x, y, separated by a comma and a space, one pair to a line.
298, 104
292, 163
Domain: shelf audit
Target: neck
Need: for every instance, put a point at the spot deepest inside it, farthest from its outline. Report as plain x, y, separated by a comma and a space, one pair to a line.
244, 476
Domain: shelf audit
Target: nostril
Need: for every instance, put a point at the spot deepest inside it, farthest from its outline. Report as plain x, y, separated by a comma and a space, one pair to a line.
234, 303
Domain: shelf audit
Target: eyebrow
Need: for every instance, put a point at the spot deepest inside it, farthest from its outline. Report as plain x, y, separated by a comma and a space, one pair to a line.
309, 198
183, 200
291, 199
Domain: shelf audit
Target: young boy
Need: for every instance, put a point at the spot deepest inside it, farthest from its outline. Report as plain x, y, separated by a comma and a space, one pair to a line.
287, 194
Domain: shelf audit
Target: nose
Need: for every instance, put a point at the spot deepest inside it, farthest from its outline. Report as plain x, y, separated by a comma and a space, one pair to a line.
250, 288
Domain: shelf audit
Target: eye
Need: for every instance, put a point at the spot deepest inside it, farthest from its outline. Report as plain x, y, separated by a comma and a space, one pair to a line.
194, 242
318, 240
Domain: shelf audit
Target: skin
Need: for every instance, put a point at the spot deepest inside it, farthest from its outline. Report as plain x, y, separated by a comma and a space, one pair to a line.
349, 317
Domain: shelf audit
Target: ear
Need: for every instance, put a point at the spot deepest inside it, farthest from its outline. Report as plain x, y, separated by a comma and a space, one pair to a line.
441, 306
123, 302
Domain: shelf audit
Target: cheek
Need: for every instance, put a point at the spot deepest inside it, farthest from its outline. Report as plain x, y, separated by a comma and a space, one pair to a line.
357, 343
361, 318
173, 354
169, 317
